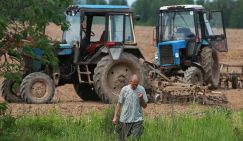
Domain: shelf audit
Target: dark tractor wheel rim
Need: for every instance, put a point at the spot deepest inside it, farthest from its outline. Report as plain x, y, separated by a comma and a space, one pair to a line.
196, 79
39, 89
118, 76
12, 90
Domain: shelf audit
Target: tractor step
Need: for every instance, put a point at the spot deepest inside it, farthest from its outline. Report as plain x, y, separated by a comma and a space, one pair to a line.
87, 73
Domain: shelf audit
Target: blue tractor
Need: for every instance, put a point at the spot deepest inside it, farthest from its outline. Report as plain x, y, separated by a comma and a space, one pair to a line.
188, 39
97, 55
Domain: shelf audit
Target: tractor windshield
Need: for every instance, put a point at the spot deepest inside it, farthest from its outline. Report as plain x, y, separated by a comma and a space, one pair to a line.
121, 29
176, 25
73, 33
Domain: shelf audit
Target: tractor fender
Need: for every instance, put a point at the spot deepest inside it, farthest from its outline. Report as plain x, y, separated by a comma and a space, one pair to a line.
134, 50
115, 53
97, 56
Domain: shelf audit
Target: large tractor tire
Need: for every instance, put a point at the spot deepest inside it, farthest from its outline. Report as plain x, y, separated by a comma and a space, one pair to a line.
85, 92
110, 76
193, 75
37, 88
9, 93
210, 64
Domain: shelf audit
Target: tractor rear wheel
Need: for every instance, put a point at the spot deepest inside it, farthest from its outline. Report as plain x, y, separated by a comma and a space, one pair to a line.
110, 76
85, 92
10, 93
37, 88
210, 64
193, 75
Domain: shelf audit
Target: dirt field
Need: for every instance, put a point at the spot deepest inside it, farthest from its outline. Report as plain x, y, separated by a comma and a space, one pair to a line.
68, 103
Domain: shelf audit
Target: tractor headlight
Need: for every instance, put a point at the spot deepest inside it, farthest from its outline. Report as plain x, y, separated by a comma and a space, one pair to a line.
156, 57
177, 55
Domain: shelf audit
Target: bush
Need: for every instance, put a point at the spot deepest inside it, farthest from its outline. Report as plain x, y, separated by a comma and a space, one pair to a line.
7, 124
3, 108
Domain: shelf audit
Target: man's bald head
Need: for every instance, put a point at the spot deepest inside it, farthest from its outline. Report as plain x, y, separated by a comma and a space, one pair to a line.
134, 77
134, 81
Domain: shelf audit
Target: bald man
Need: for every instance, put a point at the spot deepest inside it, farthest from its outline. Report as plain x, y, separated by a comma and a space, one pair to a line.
131, 100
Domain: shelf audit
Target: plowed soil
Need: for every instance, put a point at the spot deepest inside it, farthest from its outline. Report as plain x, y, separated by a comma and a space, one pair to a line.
68, 103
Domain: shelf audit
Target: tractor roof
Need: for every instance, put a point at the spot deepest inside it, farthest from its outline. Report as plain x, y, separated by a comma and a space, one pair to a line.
99, 8
175, 7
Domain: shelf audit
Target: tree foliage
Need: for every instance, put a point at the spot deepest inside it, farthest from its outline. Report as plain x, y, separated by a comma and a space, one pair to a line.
22, 28
232, 9
118, 2
101, 2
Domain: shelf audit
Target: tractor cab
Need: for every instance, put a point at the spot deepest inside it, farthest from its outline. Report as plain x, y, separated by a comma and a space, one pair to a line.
183, 29
95, 26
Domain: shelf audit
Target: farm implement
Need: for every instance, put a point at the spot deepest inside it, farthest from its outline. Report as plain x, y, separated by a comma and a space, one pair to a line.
231, 74
174, 90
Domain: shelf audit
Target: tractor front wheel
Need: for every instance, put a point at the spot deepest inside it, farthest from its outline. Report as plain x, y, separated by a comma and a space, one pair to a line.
110, 76
37, 88
193, 75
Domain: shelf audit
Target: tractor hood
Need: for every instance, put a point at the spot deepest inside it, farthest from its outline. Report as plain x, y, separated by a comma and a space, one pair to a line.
65, 49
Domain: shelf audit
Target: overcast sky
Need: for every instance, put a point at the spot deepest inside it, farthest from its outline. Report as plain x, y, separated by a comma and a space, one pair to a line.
130, 2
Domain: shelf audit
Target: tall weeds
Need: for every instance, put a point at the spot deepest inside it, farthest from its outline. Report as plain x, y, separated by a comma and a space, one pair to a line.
215, 124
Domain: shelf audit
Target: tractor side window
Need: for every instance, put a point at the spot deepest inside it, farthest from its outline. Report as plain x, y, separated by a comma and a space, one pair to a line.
121, 26
209, 30
116, 28
199, 29
128, 30
216, 23
83, 26
215, 31
72, 34
98, 28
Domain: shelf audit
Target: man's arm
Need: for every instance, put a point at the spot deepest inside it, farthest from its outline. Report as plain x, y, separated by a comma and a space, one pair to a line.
118, 105
117, 110
141, 100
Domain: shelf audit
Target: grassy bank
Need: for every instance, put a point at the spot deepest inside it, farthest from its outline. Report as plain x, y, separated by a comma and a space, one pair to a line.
216, 124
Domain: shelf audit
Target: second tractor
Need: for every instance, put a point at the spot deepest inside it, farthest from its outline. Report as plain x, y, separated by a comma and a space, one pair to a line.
188, 39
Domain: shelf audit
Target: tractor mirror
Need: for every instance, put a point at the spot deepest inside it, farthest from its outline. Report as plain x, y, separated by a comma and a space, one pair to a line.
137, 17
71, 13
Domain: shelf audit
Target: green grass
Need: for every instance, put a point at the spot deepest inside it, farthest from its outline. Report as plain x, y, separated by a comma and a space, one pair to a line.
215, 124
